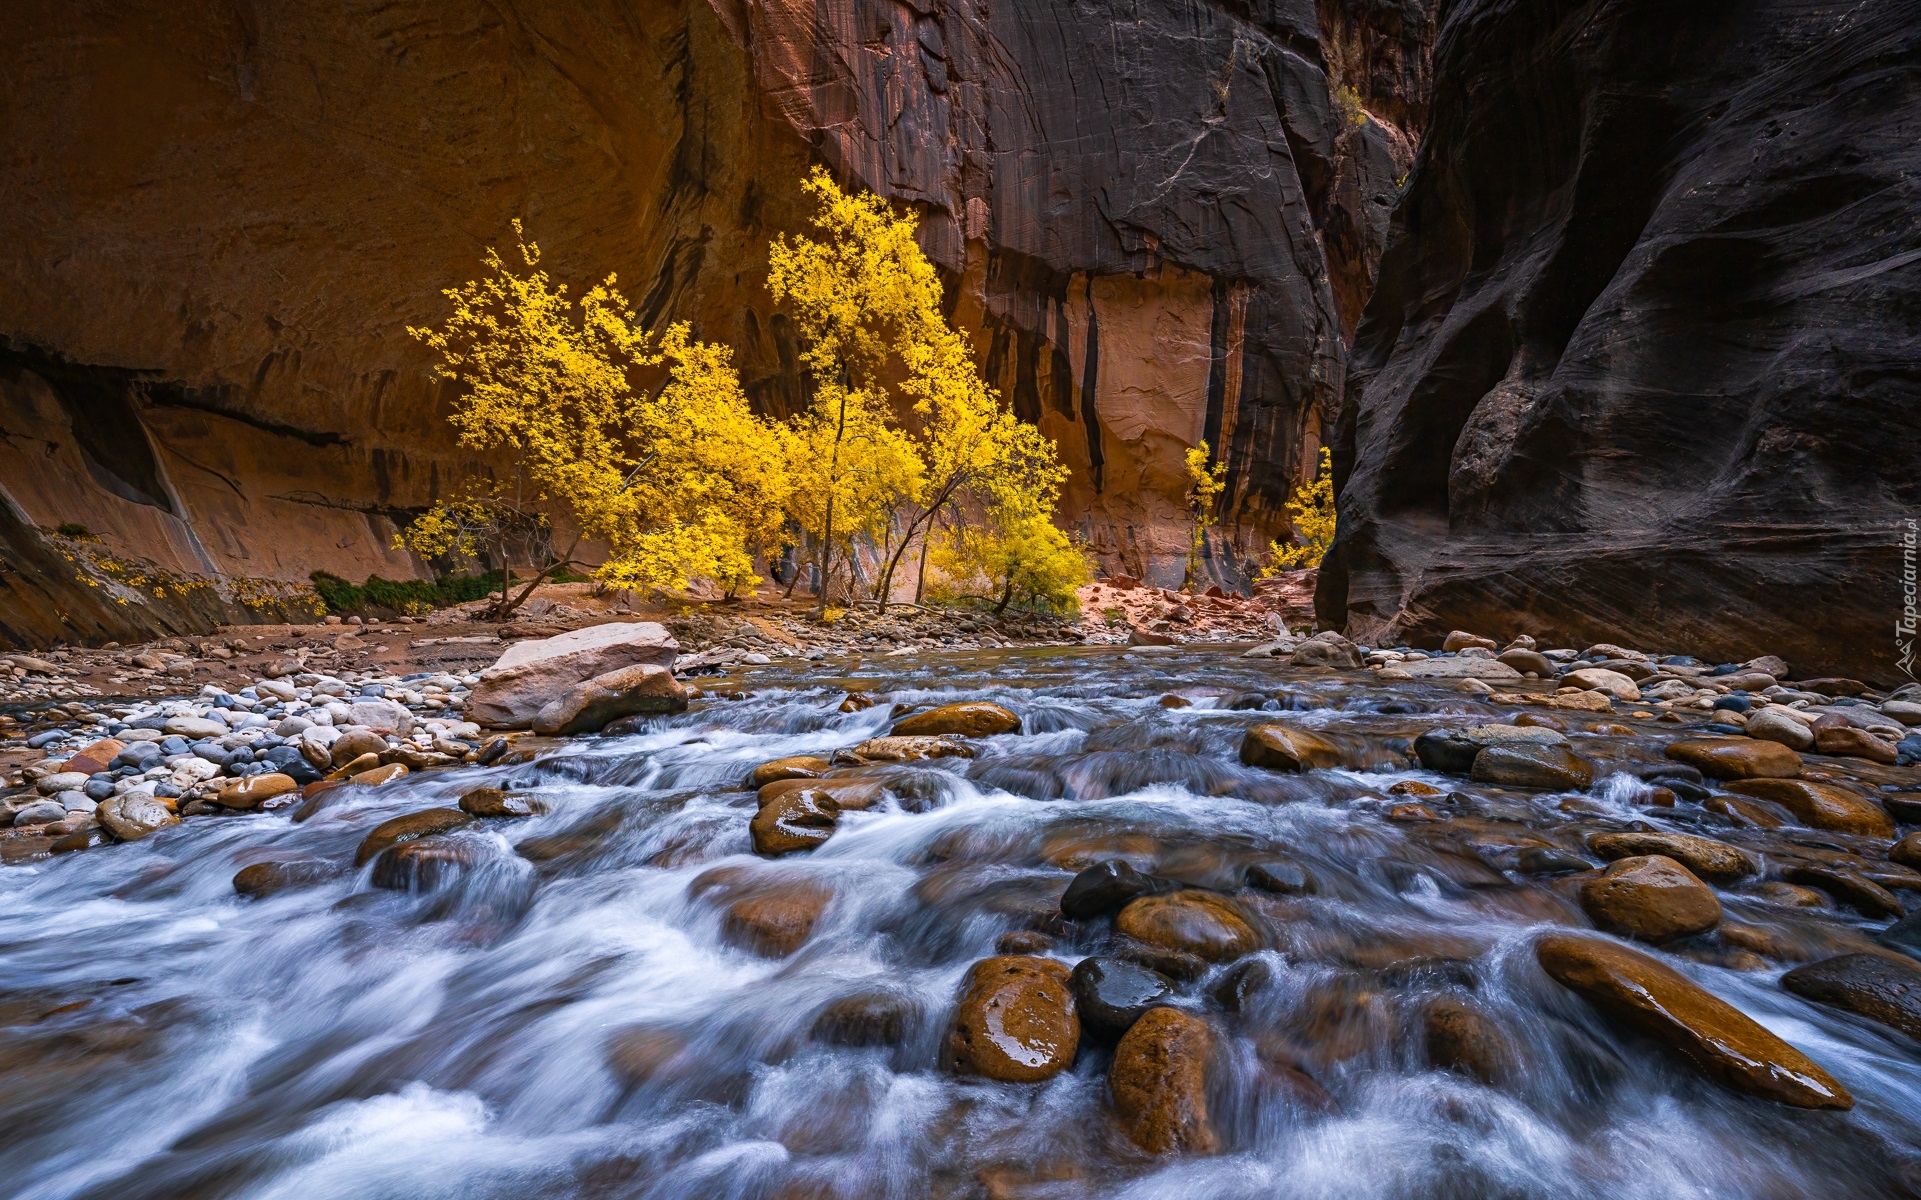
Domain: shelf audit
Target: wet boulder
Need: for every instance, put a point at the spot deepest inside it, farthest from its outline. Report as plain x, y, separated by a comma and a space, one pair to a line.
1532, 765
1283, 748
1874, 986
643, 689
1016, 1022
1209, 926
1279, 877
1650, 897
426, 823
1106, 887
1550, 860
1821, 805
1907, 851
1601, 679
255, 790
425, 864
1446, 750
1778, 724
355, 744
1707, 858
797, 766
1835, 736
973, 718
864, 1019
1737, 758
910, 749
796, 820
1861, 894
1111, 994
489, 802
533, 673
1461, 1036
131, 816
851, 795
1665, 1005
774, 921
1158, 1081
264, 879
1329, 650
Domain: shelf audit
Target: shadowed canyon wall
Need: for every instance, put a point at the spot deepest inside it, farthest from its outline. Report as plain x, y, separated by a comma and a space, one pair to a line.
1643, 362
1158, 221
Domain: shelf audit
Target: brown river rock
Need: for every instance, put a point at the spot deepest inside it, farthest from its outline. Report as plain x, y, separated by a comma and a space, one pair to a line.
1158, 1080
793, 821
1821, 805
406, 828
1016, 1021
1714, 861
1737, 758
1284, 748
1879, 987
1650, 897
798, 766
1191, 922
974, 718
1665, 1005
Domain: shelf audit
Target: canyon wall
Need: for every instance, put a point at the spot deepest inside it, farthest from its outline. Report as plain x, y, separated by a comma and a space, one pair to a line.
1643, 359
1158, 223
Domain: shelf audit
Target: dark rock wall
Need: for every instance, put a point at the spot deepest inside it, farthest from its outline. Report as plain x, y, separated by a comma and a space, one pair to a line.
1157, 219
1643, 363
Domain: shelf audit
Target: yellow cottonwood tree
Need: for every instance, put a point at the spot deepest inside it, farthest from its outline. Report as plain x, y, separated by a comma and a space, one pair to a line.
866, 299
1204, 487
1312, 508
686, 483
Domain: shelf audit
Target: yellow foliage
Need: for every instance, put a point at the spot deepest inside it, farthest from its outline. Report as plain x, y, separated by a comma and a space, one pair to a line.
686, 483
1019, 557
1312, 510
865, 297
1204, 487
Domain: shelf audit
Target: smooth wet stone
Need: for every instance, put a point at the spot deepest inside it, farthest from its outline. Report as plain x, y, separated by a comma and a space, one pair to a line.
1773, 724
1203, 924
1331, 651
851, 795
1413, 787
1707, 858
1457, 668
1861, 894
378, 775
1843, 740
1158, 1081
1462, 1036
424, 864
798, 820
1548, 860
1869, 985
492, 802
1521, 764
911, 749
1737, 758
640, 689
1447, 750
1821, 805
973, 718
1600, 679
255, 790
1526, 661
1650, 897
864, 1019
1110, 994
1665, 1005
355, 743
1016, 1021
775, 919
268, 878
1023, 941
797, 766
1284, 748
1904, 936
1280, 877
131, 816
1107, 886
1907, 851
426, 823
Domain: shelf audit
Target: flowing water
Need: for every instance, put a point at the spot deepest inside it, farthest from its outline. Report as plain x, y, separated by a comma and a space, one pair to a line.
568, 1017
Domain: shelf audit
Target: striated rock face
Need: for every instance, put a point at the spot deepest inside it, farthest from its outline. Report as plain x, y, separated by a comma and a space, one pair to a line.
1640, 360
1157, 227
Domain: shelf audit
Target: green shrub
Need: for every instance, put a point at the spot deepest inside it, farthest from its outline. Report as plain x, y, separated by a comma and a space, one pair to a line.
401, 595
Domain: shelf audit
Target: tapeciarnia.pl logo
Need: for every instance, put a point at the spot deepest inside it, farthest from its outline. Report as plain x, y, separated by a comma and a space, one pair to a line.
1904, 627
